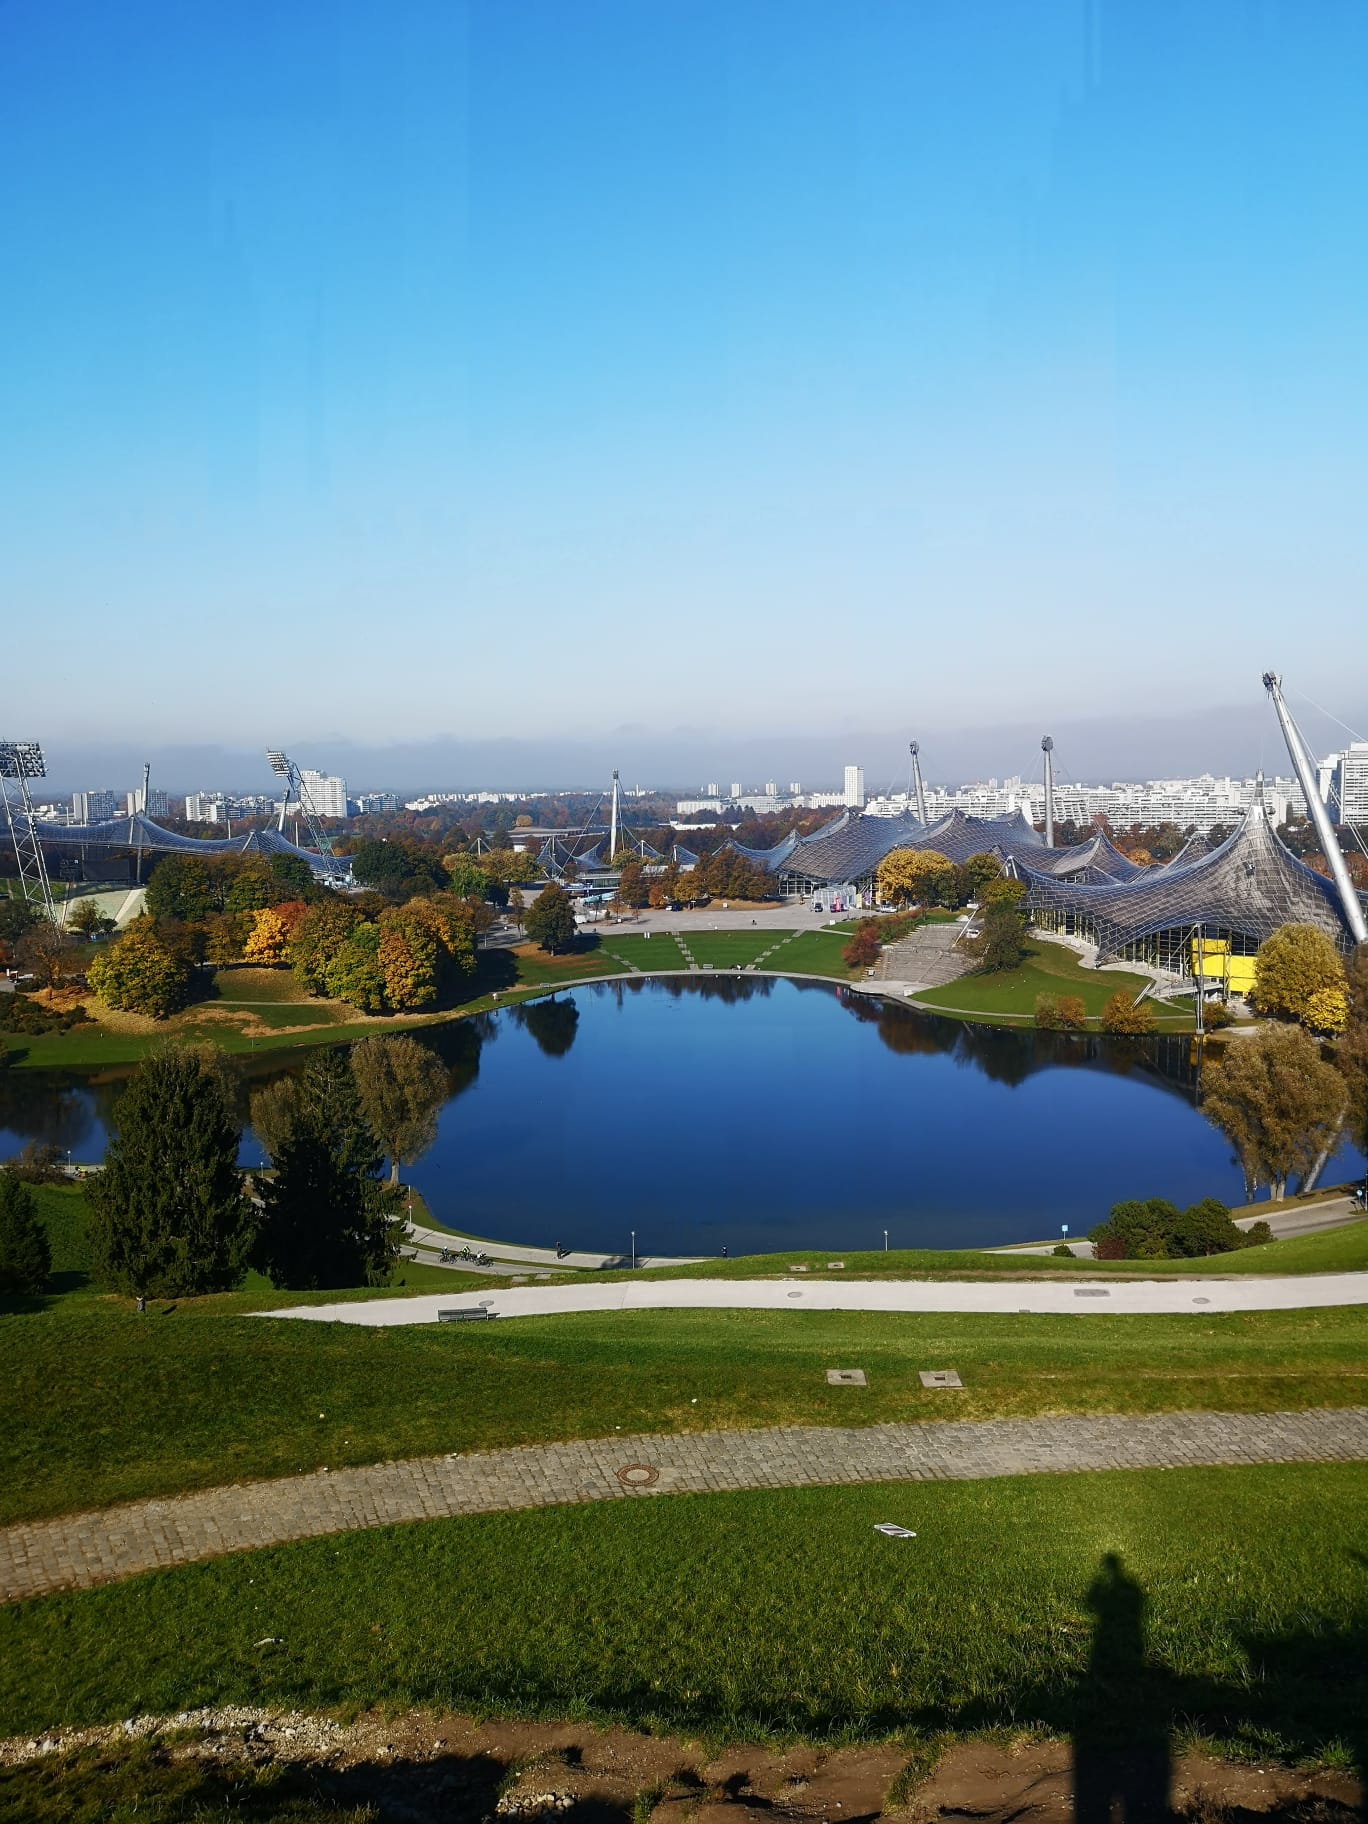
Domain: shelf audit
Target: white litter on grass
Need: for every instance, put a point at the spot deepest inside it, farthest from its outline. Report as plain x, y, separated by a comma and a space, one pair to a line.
890, 1531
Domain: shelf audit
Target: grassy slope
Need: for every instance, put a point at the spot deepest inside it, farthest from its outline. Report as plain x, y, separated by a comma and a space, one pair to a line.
777, 1612
1049, 969
100, 1405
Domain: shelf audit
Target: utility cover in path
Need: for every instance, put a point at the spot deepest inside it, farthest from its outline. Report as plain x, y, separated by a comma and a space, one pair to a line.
940, 1377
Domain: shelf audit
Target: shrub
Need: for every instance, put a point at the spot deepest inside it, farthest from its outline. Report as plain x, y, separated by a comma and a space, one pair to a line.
864, 947
1047, 1013
1327, 1010
1073, 1012
21, 1013
1062, 1251
38, 1163
1216, 1016
1123, 1014
1156, 1230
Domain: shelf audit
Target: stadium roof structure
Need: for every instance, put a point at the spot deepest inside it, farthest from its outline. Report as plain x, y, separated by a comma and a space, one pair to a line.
1249, 886
139, 832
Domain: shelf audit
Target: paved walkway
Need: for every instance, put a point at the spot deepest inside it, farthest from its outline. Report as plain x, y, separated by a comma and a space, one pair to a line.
82, 1550
1130, 1297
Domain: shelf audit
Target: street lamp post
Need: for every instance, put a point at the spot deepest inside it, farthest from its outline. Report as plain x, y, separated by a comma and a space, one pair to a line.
885, 1241
634, 1248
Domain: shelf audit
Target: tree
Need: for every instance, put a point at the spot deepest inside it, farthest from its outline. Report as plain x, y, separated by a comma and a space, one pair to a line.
140, 973
354, 973
403, 1087
517, 905
1326, 1010
1278, 1103
223, 937
550, 920
268, 938
865, 946
321, 934
295, 877
180, 886
1293, 967
908, 877
274, 1110
25, 1257
48, 951
1000, 942
1122, 1013
1060, 1012
327, 1220
466, 875
1155, 1230
982, 868
168, 1214
1351, 1054
88, 921
632, 888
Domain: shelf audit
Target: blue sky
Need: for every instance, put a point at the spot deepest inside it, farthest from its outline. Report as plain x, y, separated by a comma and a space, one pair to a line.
683, 367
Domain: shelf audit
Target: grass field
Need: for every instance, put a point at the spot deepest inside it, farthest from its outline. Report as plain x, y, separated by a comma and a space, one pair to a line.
100, 1405
659, 951
814, 953
1240, 1609
1049, 969
725, 949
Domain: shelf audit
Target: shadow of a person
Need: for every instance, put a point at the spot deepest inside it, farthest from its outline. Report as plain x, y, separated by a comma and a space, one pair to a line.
1122, 1763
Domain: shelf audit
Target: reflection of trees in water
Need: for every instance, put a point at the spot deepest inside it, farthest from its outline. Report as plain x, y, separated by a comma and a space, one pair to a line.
731, 988
55, 1111
1007, 1054
552, 1024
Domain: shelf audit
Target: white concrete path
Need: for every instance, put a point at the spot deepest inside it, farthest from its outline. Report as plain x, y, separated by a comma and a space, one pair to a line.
1118, 1297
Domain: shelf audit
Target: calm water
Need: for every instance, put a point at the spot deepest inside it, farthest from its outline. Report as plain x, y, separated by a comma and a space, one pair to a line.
766, 1114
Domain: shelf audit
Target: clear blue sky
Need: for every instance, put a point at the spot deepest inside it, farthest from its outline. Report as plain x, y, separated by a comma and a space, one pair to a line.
413, 368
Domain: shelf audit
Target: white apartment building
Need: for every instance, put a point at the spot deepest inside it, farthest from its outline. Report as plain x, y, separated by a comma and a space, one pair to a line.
326, 793
854, 792
1342, 780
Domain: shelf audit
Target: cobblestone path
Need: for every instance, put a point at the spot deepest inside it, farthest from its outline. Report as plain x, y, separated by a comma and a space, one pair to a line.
82, 1550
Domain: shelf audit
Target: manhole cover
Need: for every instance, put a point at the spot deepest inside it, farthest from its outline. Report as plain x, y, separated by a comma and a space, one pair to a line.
795, 1295
846, 1377
1201, 1301
637, 1475
939, 1377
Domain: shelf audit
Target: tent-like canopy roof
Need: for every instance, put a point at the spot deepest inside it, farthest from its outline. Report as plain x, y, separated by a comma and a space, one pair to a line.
139, 832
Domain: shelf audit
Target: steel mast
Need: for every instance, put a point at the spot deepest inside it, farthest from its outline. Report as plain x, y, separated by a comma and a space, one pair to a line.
22, 761
1304, 767
1047, 748
914, 748
284, 768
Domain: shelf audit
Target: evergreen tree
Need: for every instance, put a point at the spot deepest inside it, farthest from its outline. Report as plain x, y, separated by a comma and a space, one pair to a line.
25, 1258
168, 1214
328, 1222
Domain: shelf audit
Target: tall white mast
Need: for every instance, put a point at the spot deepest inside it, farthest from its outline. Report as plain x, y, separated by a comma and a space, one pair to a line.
613, 828
915, 750
1047, 748
1304, 767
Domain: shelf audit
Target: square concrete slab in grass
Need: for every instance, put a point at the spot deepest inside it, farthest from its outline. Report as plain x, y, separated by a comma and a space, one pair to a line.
799, 1269
835, 1266
939, 1377
846, 1377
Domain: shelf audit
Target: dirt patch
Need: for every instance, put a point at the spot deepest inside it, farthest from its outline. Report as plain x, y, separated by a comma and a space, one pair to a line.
424, 1766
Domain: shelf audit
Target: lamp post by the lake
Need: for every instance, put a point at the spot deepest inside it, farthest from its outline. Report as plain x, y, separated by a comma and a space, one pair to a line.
885, 1241
634, 1248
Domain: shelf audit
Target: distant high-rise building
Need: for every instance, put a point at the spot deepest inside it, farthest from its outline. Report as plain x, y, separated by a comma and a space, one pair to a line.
771, 789
1352, 784
711, 791
206, 807
736, 788
854, 787
795, 789
327, 794
376, 804
160, 805
92, 807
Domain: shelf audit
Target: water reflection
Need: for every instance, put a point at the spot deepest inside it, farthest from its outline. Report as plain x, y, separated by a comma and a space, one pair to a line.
761, 1113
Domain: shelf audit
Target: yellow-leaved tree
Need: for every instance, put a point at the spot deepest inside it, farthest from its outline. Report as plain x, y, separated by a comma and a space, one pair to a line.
268, 939
912, 877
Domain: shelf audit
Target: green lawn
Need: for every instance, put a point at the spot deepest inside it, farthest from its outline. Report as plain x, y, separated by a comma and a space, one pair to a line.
1049, 969
99, 1405
814, 953
725, 949
659, 951
1238, 1608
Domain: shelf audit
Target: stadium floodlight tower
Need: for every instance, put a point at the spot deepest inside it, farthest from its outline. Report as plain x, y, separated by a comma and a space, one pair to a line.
21, 761
914, 749
1047, 748
1305, 768
334, 868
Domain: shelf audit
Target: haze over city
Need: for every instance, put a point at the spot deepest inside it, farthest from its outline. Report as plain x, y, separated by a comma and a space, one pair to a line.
491, 395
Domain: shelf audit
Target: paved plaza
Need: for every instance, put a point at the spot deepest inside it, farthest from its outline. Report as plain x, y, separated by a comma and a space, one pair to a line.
82, 1550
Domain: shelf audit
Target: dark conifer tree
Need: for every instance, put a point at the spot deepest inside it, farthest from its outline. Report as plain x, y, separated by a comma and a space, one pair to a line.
168, 1214
328, 1221
25, 1258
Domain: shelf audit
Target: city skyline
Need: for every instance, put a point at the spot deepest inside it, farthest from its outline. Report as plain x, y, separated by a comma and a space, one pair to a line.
465, 369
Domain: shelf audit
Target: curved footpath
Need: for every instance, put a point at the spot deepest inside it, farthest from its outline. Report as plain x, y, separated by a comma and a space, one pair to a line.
82, 1550
1130, 1296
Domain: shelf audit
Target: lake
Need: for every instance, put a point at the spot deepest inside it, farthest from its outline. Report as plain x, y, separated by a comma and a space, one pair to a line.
764, 1114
